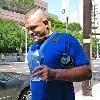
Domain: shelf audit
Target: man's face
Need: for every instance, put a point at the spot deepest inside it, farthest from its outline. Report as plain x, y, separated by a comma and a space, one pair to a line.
36, 29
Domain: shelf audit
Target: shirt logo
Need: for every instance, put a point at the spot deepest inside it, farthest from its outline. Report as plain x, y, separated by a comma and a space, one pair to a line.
66, 61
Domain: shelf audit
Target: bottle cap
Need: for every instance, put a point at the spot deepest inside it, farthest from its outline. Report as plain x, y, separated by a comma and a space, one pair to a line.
37, 46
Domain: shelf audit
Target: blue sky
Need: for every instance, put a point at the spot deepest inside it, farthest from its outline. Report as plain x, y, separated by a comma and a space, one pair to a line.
54, 6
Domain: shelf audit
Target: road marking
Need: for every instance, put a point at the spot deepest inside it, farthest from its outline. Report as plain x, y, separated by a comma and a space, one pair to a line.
2, 69
19, 72
95, 62
14, 68
96, 65
94, 71
25, 67
27, 71
4, 97
10, 66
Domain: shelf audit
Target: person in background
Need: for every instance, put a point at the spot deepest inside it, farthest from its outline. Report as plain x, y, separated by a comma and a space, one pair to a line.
2, 57
18, 57
65, 61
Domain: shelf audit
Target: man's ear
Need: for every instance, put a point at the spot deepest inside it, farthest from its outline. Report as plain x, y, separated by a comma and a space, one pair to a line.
45, 22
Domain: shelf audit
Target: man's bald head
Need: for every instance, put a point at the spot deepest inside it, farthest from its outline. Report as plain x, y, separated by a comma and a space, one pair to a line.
37, 15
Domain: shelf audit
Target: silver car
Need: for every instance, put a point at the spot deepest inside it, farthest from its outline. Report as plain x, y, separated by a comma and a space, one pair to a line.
14, 86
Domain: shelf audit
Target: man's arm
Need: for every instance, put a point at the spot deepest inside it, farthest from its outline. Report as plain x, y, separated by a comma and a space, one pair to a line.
75, 74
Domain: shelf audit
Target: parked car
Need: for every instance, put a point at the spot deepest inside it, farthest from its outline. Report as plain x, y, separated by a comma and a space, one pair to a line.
14, 86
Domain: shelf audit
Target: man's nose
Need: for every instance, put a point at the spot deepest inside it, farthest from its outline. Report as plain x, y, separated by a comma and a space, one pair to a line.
32, 34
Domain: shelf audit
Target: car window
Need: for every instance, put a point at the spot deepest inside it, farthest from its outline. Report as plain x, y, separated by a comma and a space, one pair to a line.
5, 76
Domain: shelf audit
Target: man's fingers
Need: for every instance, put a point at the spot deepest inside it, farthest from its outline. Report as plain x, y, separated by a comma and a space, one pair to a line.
44, 77
37, 73
41, 71
37, 69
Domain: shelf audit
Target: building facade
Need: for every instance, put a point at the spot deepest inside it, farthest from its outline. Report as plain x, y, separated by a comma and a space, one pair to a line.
39, 4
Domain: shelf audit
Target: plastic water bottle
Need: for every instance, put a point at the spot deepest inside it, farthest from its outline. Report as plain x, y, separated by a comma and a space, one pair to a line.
36, 60
38, 87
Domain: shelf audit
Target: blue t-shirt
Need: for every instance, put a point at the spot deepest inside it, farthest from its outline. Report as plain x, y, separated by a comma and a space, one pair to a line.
60, 51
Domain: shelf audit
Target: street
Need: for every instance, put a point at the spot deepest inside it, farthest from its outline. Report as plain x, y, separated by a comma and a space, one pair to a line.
22, 67
18, 67
96, 70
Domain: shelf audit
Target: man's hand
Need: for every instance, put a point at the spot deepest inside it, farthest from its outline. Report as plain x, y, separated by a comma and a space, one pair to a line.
44, 72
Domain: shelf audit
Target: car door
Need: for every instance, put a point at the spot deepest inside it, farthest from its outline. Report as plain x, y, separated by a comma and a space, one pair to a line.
8, 86
12, 89
11, 85
3, 89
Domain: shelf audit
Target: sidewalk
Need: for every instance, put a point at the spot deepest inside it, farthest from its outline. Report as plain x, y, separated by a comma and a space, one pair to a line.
95, 94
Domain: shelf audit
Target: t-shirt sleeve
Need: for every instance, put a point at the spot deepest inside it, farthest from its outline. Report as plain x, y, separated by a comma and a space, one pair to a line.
77, 52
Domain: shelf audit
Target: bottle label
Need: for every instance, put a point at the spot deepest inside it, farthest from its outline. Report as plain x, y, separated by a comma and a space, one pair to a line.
36, 79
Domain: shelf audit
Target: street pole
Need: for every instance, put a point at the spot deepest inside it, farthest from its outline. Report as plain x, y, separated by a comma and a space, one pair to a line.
25, 43
65, 12
87, 8
25, 46
66, 24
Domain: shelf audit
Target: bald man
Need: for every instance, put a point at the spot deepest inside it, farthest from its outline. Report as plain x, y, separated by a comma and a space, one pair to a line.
37, 24
64, 61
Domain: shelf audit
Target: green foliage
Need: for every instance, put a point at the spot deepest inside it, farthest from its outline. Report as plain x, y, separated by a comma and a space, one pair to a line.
12, 35
57, 25
94, 46
20, 6
77, 35
76, 30
73, 28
